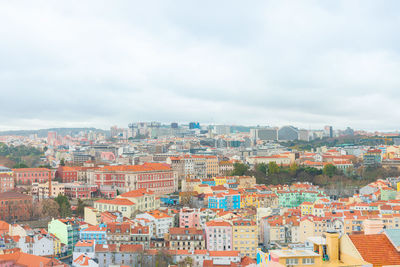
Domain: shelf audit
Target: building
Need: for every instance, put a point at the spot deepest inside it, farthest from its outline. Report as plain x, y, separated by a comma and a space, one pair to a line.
31, 175
6, 182
79, 190
245, 237
42, 191
98, 233
218, 235
67, 174
161, 222
288, 133
266, 134
15, 207
185, 238
37, 244
328, 131
158, 177
144, 199
66, 230
123, 205
372, 157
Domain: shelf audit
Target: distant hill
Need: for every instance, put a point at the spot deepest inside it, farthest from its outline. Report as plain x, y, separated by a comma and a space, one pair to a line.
43, 132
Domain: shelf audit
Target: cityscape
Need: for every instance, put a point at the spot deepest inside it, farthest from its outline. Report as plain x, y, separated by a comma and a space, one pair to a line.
199, 133
153, 194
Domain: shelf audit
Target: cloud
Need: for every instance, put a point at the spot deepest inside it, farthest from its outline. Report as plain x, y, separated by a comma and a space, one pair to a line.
94, 63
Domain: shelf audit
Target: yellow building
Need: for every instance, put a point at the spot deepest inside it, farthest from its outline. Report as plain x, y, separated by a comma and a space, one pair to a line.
306, 208
331, 251
92, 216
203, 189
248, 199
212, 166
245, 237
144, 199
220, 180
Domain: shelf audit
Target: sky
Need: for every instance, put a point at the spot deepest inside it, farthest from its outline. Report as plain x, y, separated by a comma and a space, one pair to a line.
102, 63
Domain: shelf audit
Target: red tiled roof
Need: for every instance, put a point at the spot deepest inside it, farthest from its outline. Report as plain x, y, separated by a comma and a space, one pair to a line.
137, 193
376, 249
117, 201
225, 253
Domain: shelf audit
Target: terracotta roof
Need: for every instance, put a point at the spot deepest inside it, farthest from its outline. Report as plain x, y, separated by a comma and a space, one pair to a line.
137, 193
130, 247
146, 167
376, 249
117, 201
184, 231
217, 223
106, 248
85, 243
225, 253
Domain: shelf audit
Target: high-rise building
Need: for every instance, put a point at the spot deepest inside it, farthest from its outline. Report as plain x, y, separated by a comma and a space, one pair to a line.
328, 131
288, 133
194, 125
222, 129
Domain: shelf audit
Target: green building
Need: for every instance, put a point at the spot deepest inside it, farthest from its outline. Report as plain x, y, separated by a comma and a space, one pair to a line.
67, 230
292, 199
388, 194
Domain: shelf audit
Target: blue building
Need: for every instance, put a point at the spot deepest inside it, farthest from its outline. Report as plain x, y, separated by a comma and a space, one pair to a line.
217, 202
210, 182
98, 233
232, 201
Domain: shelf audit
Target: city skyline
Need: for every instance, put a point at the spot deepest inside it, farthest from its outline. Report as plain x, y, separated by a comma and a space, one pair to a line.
285, 63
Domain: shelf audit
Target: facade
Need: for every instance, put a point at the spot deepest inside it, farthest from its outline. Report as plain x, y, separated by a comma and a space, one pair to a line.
218, 235
41, 191
245, 237
67, 174
123, 205
157, 177
185, 239
161, 222
98, 233
31, 175
144, 199
372, 157
15, 206
6, 182
66, 230
288, 133
38, 245
79, 190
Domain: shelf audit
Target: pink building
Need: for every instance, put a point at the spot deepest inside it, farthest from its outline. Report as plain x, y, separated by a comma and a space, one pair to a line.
189, 218
218, 235
6, 182
31, 175
80, 190
157, 177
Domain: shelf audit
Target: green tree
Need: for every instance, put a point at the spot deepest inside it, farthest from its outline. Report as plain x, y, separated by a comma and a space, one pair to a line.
329, 170
64, 207
80, 209
239, 169
262, 167
20, 166
273, 168
293, 169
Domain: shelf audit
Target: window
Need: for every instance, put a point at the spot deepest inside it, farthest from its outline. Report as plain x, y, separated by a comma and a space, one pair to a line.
292, 261
308, 261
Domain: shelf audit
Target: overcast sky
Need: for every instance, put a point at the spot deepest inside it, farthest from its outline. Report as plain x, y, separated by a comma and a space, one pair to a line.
100, 63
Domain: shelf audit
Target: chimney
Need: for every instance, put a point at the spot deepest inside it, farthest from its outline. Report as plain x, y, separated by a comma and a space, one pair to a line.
373, 227
332, 243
